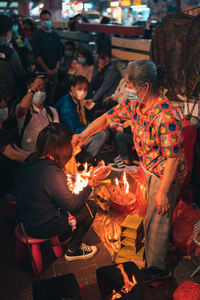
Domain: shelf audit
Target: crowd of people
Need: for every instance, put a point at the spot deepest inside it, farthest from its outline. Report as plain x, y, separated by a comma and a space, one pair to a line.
50, 92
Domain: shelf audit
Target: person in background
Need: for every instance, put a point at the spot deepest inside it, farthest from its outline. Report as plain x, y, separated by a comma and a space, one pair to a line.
10, 155
118, 96
69, 56
77, 19
48, 51
43, 196
72, 113
21, 44
12, 74
157, 136
66, 69
105, 79
85, 65
28, 29
32, 115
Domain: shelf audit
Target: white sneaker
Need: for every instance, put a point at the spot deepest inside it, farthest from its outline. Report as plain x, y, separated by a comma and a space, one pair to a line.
84, 252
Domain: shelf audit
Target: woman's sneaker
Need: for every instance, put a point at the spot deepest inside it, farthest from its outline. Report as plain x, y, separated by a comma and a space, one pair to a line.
84, 252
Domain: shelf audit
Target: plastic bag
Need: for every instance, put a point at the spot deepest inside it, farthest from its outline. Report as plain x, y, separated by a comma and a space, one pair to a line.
183, 227
187, 290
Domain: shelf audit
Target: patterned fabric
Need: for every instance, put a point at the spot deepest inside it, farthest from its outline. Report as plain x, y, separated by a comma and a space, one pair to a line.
157, 134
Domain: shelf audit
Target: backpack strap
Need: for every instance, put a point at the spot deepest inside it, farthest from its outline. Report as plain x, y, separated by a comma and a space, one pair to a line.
49, 112
26, 121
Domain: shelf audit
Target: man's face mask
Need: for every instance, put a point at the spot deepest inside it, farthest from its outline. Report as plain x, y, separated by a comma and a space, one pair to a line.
39, 97
15, 28
3, 114
81, 60
68, 53
46, 24
80, 95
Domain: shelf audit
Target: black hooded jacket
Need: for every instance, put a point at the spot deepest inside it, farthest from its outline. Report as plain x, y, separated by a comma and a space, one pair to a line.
41, 191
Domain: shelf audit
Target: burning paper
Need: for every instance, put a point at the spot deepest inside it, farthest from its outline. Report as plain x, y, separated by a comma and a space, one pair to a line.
77, 183
120, 193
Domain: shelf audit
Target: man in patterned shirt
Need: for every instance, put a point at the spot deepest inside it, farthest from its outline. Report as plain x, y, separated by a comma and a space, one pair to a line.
157, 135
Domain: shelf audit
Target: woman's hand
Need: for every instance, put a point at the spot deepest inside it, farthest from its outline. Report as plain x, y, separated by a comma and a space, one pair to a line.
162, 203
77, 140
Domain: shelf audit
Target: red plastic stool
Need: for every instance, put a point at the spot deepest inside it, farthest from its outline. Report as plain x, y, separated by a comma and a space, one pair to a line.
35, 248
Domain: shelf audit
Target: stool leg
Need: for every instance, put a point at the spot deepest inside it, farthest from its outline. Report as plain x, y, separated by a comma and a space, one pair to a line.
19, 251
36, 252
56, 246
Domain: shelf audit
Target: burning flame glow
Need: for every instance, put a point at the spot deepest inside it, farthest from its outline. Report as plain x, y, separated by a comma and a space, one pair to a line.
81, 180
125, 182
116, 181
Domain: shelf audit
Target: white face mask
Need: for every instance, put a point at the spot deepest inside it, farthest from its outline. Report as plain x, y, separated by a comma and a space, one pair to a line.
39, 97
68, 53
81, 60
3, 114
80, 95
133, 95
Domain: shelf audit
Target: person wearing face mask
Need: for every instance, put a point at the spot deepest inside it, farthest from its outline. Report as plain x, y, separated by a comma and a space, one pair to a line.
105, 79
85, 66
72, 113
66, 69
12, 75
21, 43
47, 50
157, 136
10, 155
68, 57
32, 115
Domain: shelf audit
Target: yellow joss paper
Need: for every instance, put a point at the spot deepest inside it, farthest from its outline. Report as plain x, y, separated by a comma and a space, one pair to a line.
70, 166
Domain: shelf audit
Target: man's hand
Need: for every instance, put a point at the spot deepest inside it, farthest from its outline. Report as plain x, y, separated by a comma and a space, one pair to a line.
162, 203
37, 83
89, 104
101, 65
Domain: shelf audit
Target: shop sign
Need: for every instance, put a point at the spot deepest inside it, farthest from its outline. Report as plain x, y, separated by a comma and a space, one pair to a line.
125, 3
114, 4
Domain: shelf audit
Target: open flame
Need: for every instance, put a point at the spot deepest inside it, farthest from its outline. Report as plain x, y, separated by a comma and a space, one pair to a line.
76, 185
125, 183
128, 284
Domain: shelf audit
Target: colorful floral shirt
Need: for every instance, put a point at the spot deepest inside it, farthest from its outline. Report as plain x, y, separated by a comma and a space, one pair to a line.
157, 134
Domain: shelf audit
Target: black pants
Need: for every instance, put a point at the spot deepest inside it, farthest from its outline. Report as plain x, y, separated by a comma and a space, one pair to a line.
84, 221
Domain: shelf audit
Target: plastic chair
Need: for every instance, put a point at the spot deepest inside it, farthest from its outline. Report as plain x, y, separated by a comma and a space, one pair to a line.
35, 248
197, 242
